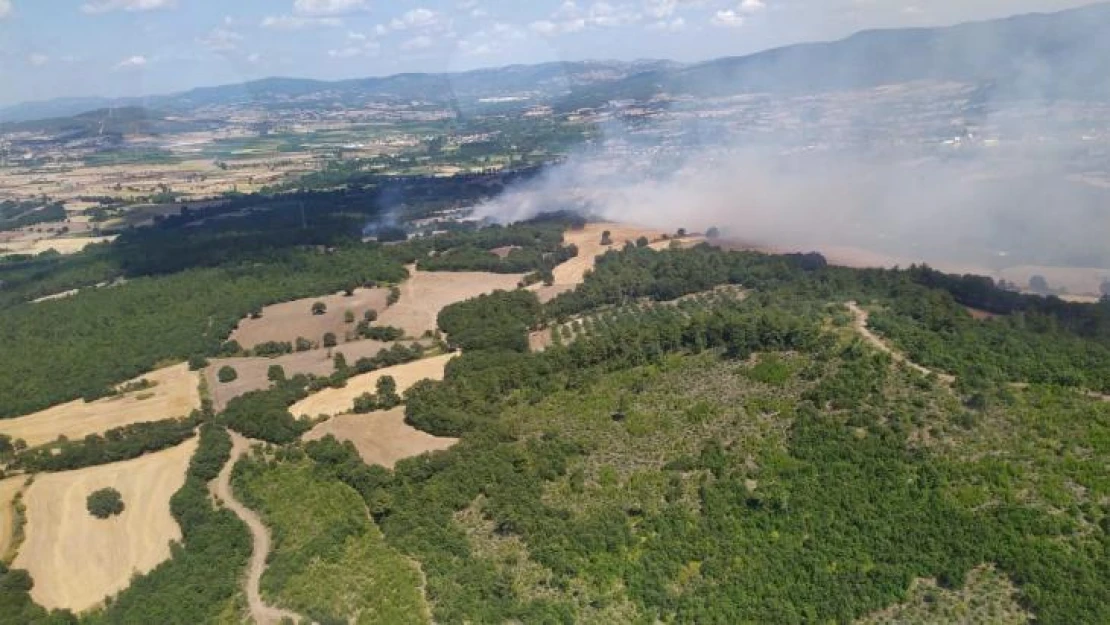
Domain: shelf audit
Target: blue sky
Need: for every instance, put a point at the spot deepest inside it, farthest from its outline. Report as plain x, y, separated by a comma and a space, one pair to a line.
52, 48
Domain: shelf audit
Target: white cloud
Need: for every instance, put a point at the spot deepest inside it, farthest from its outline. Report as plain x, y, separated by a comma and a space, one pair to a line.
328, 7
294, 22
5, 8
419, 19
728, 18
571, 18
107, 6
492, 40
423, 42
750, 7
132, 62
473, 8
221, 40
38, 60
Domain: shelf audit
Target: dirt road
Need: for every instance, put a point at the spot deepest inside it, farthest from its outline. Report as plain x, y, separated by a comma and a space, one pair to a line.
221, 488
860, 323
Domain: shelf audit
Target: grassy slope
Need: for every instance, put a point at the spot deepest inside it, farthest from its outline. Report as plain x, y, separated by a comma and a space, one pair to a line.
329, 560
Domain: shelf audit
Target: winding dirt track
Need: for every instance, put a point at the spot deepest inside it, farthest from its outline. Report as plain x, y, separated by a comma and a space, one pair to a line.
221, 488
860, 323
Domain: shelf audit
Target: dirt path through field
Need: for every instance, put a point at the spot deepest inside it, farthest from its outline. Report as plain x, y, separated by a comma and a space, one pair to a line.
221, 488
860, 323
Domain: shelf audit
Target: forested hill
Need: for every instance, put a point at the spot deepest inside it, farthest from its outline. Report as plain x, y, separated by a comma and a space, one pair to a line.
707, 439
1055, 55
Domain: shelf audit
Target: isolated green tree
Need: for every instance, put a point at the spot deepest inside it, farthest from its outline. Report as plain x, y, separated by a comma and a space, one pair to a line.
276, 373
302, 344
713, 233
330, 340
227, 374
387, 392
319, 308
349, 316
104, 503
370, 315
606, 238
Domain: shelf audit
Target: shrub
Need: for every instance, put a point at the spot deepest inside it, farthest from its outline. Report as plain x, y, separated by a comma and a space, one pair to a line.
319, 308
197, 362
104, 503
227, 374
276, 373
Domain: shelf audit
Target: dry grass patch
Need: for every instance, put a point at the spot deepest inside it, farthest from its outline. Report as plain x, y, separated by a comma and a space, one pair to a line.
253, 372
9, 488
571, 273
987, 597
287, 321
62, 245
174, 394
333, 401
425, 293
380, 437
76, 559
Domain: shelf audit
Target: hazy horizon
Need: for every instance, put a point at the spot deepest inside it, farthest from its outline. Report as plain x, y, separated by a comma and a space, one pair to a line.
172, 47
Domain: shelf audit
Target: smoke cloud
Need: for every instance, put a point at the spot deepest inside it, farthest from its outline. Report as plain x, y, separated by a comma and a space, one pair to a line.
963, 176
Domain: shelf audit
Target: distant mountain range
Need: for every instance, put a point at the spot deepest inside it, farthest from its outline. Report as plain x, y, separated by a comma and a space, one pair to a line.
1051, 55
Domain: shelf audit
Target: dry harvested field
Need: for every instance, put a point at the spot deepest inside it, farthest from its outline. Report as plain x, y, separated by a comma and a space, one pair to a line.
197, 179
175, 394
9, 488
333, 401
425, 293
570, 274
253, 371
62, 245
77, 559
287, 321
380, 437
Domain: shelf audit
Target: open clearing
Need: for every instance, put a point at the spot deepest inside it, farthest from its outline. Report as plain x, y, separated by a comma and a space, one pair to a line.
571, 273
77, 559
287, 321
380, 437
9, 488
62, 245
333, 401
175, 394
253, 372
425, 293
